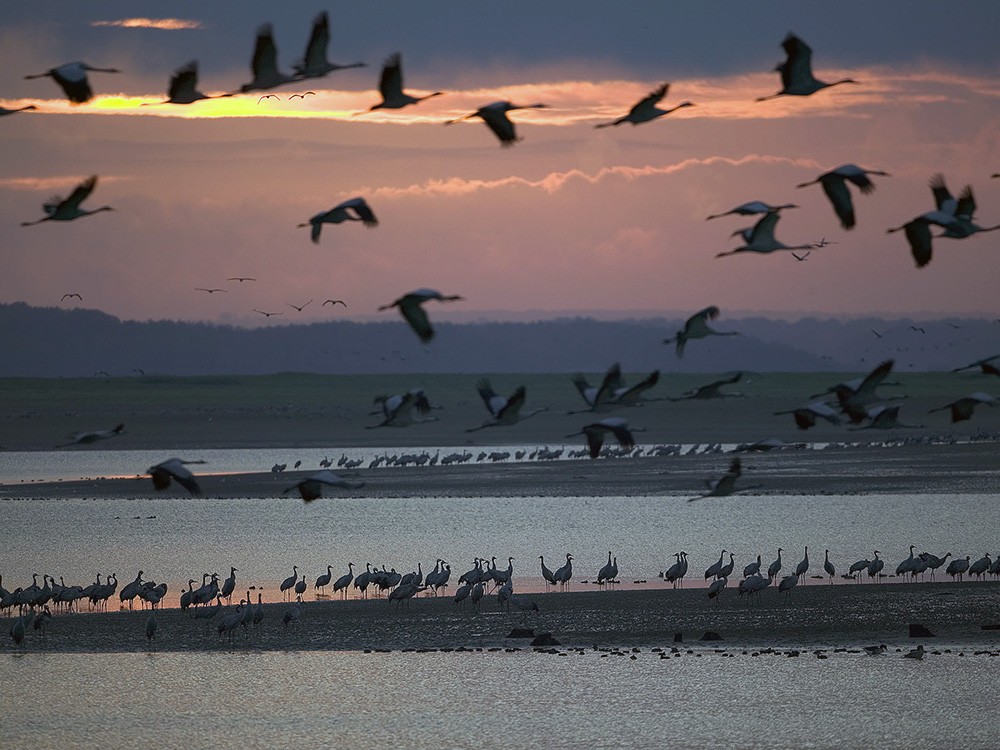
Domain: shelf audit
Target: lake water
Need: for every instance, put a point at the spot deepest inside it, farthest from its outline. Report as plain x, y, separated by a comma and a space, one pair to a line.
497, 700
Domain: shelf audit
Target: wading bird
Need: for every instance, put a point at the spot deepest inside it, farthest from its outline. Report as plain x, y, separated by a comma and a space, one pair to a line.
961, 409
311, 487
264, 64
596, 431
390, 85
67, 209
612, 392
760, 239
834, 184
72, 79
646, 109
183, 87
752, 209
696, 327
495, 117
796, 71
174, 469
354, 209
410, 308
505, 411
314, 63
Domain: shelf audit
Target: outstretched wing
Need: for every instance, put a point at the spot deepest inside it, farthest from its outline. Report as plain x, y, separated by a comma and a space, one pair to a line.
79, 195
391, 83
418, 320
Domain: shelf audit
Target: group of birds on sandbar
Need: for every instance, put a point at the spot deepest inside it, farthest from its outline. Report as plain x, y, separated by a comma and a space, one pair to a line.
912, 568
205, 602
954, 216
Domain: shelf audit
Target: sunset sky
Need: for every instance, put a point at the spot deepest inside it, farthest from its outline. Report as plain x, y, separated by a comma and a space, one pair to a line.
569, 219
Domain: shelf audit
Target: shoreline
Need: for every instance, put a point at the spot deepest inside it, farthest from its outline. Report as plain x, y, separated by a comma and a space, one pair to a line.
912, 468
809, 617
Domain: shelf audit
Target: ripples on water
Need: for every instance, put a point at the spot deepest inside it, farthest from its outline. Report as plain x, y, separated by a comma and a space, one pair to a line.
496, 700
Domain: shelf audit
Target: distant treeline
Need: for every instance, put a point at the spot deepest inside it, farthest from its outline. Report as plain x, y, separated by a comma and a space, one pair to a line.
51, 342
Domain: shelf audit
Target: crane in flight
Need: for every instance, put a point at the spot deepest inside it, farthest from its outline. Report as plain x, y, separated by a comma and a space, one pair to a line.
696, 327
760, 238
174, 469
397, 410
495, 117
752, 208
87, 437
183, 88
726, 484
264, 64
505, 411
72, 79
353, 209
985, 364
612, 391
806, 416
314, 63
390, 85
961, 409
645, 109
711, 390
797, 78
67, 209
834, 184
410, 308
596, 431
312, 486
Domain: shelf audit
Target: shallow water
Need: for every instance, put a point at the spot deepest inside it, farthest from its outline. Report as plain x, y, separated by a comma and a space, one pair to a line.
497, 700
264, 537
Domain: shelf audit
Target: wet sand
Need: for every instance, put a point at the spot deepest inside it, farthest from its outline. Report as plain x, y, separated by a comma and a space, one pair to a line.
810, 616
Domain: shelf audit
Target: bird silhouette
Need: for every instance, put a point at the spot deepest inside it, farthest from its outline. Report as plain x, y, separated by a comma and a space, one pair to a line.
71, 295
961, 409
314, 63
752, 209
311, 487
174, 469
209, 289
646, 109
834, 184
495, 117
760, 238
27, 108
596, 431
334, 302
72, 79
410, 308
301, 307
505, 411
797, 78
68, 209
183, 88
265, 313
391, 87
264, 64
696, 327
354, 209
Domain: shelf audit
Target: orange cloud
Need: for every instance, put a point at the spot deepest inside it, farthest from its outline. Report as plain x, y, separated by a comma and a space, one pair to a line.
165, 24
570, 102
555, 181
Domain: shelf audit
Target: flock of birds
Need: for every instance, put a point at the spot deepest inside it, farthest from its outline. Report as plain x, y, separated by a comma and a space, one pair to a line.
856, 401
204, 603
954, 216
